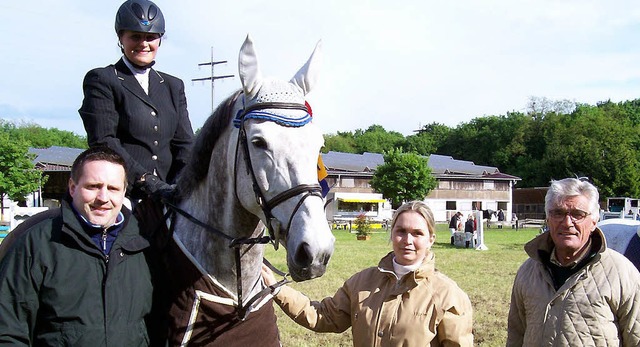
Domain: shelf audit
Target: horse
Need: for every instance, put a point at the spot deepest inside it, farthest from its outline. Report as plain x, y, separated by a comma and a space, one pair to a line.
254, 164
623, 236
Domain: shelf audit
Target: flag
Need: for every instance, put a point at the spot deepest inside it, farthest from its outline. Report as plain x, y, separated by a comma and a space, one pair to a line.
322, 176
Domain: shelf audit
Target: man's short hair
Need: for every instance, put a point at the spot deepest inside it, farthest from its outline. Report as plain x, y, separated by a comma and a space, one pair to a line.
569, 187
97, 153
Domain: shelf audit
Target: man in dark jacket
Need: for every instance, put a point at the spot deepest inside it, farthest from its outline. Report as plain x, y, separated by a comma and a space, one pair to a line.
453, 224
79, 274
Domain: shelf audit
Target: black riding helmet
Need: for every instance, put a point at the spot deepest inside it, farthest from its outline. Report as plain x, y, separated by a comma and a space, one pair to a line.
139, 15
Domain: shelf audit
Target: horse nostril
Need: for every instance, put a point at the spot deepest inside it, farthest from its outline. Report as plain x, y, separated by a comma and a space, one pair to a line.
303, 255
325, 259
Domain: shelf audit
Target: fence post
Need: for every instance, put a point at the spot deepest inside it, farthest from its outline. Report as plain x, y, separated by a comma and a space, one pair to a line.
481, 246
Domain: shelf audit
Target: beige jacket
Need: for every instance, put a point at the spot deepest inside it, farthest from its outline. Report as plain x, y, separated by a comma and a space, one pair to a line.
424, 307
597, 306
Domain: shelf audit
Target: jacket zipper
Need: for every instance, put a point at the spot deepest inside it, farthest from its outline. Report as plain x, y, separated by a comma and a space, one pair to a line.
104, 244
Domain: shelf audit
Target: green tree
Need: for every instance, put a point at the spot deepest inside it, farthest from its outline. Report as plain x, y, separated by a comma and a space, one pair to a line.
403, 177
39, 137
18, 177
596, 142
340, 142
428, 139
377, 140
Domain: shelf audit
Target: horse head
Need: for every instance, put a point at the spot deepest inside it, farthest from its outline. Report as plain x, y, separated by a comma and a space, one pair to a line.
281, 152
255, 159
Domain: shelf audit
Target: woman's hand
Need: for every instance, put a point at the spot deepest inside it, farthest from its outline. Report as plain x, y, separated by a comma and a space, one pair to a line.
267, 276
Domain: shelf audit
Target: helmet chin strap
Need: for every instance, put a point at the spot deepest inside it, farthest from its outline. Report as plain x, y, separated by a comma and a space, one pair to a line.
141, 67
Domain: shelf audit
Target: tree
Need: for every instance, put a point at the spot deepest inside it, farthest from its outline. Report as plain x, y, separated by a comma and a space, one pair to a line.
18, 177
403, 177
427, 140
340, 142
377, 140
39, 137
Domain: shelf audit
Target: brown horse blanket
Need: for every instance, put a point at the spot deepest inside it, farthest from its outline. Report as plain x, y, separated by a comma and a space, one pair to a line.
203, 313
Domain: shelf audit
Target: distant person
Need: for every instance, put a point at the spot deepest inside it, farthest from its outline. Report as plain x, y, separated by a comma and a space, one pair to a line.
469, 230
80, 274
139, 112
500, 218
573, 290
453, 224
404, 301
514, 220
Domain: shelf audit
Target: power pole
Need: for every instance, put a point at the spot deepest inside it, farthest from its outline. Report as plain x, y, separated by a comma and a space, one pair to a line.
213, 77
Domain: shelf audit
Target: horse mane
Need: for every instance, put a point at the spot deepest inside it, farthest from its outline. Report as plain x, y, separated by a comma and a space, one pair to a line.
198, 166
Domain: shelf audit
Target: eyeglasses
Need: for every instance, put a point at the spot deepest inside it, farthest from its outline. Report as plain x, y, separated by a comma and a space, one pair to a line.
577, 216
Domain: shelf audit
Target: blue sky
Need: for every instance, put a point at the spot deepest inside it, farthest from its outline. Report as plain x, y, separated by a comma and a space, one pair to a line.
400, 64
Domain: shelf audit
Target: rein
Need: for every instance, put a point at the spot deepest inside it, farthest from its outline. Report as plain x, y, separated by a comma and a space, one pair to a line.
235, 243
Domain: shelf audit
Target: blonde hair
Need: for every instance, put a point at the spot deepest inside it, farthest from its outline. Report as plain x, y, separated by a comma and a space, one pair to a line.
419, 207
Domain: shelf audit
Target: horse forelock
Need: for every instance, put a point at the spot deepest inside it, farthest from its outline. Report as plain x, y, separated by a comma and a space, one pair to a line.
197, 169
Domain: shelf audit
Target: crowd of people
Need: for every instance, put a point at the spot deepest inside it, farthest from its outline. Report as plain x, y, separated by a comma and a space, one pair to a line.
85, 273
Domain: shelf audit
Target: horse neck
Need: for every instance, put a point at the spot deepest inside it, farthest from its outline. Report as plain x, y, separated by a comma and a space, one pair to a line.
214, 203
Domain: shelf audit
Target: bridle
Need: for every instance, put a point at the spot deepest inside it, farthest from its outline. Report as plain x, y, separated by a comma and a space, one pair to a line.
272, 224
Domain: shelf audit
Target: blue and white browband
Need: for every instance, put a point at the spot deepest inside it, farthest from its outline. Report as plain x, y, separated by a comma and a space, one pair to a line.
281, 119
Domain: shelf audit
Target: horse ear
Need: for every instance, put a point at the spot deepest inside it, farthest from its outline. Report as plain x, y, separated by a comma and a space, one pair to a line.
307, 76
248, 69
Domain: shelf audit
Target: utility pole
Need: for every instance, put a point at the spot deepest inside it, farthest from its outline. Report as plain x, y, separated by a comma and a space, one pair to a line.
213, 77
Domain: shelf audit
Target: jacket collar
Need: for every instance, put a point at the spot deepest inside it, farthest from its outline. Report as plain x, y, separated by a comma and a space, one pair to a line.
129, 237
130, 82
544, 243
426, 269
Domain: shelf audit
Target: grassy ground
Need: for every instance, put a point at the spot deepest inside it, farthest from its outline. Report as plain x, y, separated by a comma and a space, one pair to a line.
486, 276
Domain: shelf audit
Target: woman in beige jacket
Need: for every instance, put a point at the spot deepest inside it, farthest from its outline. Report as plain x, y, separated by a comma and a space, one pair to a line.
404, 301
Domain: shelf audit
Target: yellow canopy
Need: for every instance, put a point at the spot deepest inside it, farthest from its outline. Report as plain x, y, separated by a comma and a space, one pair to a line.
361, 200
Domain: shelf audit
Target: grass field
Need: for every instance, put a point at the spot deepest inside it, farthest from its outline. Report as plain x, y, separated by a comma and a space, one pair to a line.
486, 276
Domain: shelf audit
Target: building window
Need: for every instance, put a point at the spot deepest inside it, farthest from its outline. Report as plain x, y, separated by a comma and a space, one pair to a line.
356, 207
476, 205
347, 183
502, 205
451, 205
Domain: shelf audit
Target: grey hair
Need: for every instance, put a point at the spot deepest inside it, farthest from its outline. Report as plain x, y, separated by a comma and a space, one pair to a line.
570, 187
419, 207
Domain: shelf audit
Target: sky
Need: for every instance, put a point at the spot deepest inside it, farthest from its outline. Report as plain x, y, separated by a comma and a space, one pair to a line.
398, 64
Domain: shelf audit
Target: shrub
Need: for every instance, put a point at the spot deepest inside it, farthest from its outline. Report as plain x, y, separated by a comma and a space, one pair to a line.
363, 225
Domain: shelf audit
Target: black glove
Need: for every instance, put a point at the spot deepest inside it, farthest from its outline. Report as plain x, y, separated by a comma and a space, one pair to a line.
156, 188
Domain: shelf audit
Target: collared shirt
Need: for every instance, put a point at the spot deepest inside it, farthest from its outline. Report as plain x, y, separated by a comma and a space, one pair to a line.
585, 251
141, 75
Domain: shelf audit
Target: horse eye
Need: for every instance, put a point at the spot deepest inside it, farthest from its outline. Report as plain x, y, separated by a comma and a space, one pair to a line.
259, 143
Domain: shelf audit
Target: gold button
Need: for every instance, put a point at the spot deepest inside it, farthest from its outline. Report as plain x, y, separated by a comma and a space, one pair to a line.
154, 157
155, 143
155, 128
153, 113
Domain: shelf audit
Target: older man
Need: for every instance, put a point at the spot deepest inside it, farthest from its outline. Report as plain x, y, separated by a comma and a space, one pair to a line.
79, 275
573, 291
